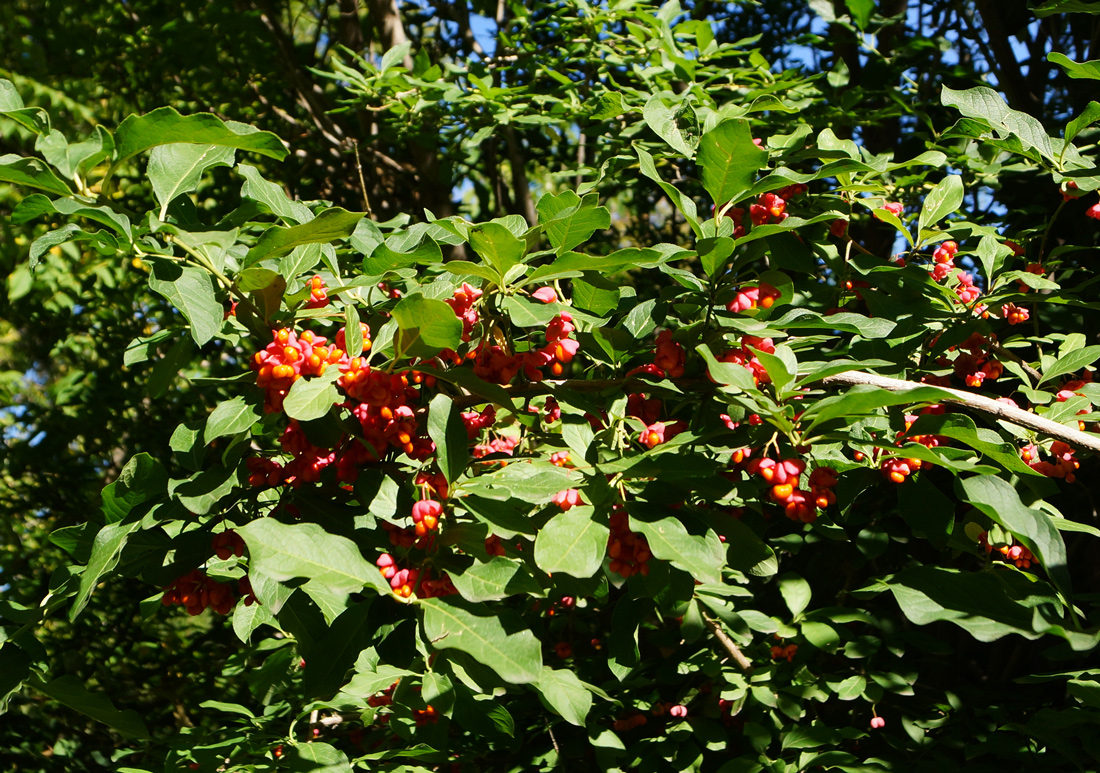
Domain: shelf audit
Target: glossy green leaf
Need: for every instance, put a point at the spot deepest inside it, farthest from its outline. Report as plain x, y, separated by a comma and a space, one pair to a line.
284, 552
37, 205
312, 398
78, 157
1089, 70
727, 372
230, 417
31, 173
200, 492
70, 691
945, 198
862, 399
34, 119
795, 592
572, 542
497, 246
569, 222
860, 11
327, 227
1035, 529
272, 196
353, 331
513, 653
1071, 363
177, 169
165, 126
191, 290
1088, 117
729, 160
985, 103
714, 252
566, 694
988, 605
495, 579
316, 757
385, 257
426, 326
448, 432
677, 125
700, 556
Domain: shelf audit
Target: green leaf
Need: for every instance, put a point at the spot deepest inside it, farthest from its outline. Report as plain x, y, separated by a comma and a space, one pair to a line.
231, 417
271, 196
565, 694
984, 103
495, 579
1000, 501
595, 293
37, 205
701, 556
497, 246
572, 542
795, 592
679, 200
426, 326
988, 605
34, 119
845, 321
810, 736
316, 757
946, 197
385, 257
106, 551
729, 160
448, 432
821, 635
608, 106
78, 157
335, 649
71, 691
862, 399
747, 552
1066, 6
330, 225
1088, 117
353, 331
142, 478
246, 619
1072, 362
312, 398
515, 656
165, 126
1089, 70
781, 366
714, 252
31, 173
186, 443
177, 169
191, 290
860, 11
204, 489
284, 552
728, 373
568, 222
678, 126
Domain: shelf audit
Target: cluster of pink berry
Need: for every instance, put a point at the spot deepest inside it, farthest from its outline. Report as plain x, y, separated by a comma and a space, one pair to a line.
759, 296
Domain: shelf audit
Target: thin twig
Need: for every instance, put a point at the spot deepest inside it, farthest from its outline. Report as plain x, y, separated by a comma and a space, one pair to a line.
979, 403
729, 645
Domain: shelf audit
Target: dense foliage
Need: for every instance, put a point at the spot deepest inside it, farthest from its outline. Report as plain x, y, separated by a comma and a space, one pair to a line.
680, 388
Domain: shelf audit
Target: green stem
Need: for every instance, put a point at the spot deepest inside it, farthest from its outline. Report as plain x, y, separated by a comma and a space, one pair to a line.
204, 262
